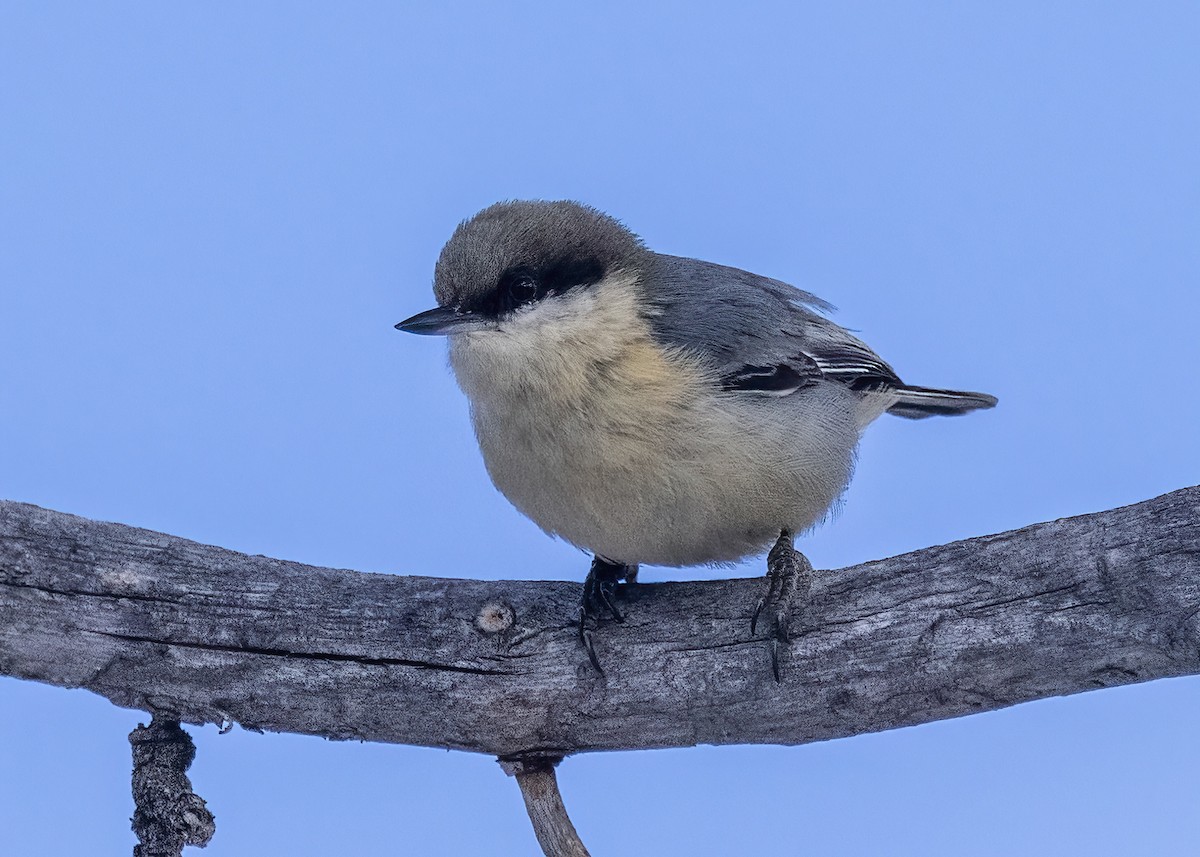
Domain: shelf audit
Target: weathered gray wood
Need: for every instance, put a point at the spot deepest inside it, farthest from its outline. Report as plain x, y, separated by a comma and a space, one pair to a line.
204, 634
167, 814
544, 805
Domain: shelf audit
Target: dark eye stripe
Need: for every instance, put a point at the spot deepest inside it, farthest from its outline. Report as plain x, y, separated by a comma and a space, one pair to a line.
567, 274
525, 284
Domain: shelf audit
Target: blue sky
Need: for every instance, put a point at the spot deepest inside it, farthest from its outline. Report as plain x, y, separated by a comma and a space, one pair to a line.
211, 216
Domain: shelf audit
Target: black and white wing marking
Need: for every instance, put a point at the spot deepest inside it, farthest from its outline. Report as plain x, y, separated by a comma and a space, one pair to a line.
765, 337
782, 379
841, 357
761, 335
860, 370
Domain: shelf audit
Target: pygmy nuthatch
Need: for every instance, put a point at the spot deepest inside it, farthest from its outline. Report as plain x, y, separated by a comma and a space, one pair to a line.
651, 408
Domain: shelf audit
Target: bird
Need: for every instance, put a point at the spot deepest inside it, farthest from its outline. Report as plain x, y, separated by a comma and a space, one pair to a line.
656, 409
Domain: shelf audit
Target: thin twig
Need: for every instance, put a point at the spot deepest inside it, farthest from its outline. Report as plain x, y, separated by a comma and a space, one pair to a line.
543, 802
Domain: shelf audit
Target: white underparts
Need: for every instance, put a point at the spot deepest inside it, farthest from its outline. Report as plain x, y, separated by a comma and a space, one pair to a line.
631, 451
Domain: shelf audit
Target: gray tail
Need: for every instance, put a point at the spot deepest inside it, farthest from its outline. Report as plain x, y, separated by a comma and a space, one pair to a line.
916, 403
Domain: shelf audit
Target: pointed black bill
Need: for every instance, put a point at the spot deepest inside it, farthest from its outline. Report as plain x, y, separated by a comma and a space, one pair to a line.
442, 321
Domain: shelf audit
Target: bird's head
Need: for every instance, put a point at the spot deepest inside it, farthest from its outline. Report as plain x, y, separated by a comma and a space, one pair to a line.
517, 267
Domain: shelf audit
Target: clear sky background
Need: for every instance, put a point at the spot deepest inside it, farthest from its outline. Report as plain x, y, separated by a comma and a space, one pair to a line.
211, 215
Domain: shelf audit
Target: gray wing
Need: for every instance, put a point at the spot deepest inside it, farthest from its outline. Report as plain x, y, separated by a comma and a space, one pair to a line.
758, 334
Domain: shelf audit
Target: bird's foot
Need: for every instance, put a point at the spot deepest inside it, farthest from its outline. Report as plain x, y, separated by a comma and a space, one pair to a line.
599, 594
789, 575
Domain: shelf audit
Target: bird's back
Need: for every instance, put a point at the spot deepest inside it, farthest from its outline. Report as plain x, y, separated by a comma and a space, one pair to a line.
762, 335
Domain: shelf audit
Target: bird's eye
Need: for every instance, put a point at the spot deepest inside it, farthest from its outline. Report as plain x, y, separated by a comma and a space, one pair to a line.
522, 290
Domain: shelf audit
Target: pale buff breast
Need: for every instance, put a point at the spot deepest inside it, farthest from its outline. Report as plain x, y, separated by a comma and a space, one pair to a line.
622, 449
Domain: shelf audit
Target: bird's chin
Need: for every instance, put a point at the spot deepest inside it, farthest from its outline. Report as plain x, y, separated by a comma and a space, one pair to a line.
483, 344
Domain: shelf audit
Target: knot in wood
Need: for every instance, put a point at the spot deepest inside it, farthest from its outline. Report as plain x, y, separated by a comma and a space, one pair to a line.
495, 617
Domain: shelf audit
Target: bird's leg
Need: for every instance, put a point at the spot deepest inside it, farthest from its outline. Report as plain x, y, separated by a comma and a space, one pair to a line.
599, 591
789, 573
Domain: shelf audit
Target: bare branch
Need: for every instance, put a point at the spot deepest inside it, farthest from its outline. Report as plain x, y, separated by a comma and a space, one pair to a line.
543, 801
203, 634
168, 814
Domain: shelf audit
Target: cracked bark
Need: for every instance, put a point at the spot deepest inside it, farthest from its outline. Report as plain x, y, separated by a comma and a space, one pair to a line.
168, 814
206, 635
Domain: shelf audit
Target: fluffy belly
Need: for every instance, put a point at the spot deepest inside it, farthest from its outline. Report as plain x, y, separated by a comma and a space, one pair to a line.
672, 483
628, 450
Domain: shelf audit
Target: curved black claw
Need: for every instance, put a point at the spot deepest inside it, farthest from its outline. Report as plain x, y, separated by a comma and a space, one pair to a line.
789, 573
585, 637
600, 592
